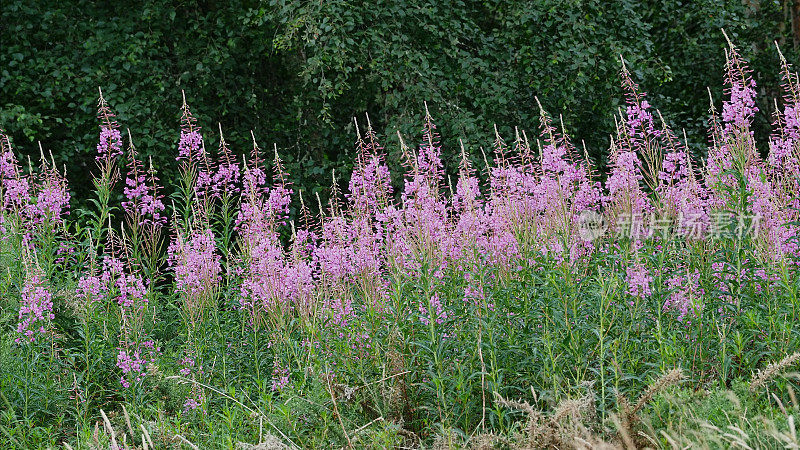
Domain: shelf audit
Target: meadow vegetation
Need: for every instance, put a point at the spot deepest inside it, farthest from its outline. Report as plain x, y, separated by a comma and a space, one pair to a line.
528, 302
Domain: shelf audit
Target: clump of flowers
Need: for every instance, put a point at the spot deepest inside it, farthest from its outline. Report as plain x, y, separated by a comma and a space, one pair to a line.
191, 149
114, 283
143, 203
14, 187
639, 280
636, 138
280, 376
370, 183
131, 291
225, 180
684, 198
191, 369
196, 263
733, 147
419, 227
194, 401
36, 312
51, 202
436, 311
134, 359
685, 294
109, 146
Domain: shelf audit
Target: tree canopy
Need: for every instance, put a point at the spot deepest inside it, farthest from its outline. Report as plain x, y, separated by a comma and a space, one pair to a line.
297, 72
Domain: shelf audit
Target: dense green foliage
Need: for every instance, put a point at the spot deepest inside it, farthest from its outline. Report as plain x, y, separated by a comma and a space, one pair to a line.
297, 72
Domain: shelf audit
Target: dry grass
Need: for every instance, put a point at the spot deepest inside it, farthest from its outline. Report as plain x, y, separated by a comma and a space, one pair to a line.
761, 378
573, 424
557, 430
628, 418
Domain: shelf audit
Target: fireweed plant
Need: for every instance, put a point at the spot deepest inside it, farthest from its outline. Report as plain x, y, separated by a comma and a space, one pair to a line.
402, 309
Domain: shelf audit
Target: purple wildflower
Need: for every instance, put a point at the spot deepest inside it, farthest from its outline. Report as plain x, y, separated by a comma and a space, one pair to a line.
36, 311
639, 280
109, 146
